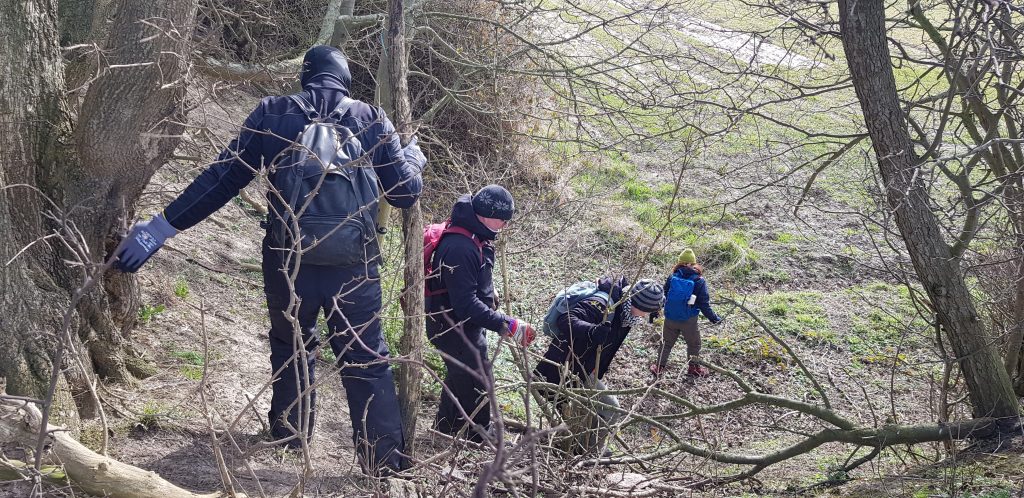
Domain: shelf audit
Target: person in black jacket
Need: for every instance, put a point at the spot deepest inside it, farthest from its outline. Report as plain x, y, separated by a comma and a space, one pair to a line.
461, 303
590, 335
349, 296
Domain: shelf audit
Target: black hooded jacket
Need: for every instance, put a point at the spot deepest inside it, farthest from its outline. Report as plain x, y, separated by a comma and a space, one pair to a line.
589, 335
468, 282
277, 121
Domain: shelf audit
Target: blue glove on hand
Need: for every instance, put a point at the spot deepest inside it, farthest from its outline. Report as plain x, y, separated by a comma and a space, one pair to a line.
142, 242
413, 155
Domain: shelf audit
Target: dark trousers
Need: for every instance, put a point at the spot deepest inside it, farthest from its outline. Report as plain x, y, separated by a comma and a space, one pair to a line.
670, 334
350, 299
464, 351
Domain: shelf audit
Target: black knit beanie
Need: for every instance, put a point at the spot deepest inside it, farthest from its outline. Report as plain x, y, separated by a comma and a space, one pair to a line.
493, 201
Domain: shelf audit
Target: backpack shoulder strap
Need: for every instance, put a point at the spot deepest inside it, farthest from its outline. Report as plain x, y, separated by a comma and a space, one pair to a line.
466, 233
449, 228
312, 114
604, 303
342, 109
601, 296
306, 107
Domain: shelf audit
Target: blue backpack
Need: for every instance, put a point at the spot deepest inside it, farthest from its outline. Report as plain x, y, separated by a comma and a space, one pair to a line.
565, 300
323, 205
677, 304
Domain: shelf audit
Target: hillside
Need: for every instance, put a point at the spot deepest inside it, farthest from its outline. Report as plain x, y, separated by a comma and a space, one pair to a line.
854, 328
826, 327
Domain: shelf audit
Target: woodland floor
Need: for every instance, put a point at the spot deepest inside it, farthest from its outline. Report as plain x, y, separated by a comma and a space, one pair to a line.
813, 278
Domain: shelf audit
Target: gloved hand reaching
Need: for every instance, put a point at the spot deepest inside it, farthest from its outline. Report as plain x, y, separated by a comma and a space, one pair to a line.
414, 155
520, 331
143, 241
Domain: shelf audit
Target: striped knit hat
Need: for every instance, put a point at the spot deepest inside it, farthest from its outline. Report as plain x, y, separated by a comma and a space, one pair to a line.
646, 295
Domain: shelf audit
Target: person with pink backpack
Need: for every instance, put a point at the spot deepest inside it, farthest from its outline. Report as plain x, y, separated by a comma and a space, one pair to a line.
461, 304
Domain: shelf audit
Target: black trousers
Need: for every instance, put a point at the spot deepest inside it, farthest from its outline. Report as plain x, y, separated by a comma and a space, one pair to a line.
467, 378
350, 299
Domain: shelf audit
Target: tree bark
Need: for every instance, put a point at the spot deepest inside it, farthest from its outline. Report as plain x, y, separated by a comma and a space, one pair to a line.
34, 133
862, 27
130, 123
88, 174
82, 21
1015, 342
396, 103
1013, 199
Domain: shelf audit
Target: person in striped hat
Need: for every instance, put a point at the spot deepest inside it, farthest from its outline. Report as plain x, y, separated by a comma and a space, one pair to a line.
589, 336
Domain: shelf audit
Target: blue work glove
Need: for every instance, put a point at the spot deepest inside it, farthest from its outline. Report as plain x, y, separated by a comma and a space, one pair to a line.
413, 155
143, 241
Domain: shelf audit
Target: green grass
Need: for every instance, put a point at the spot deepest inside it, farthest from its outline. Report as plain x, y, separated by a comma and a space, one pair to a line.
151, 415
727, 252
729, 249
687, 222
798, 314
190, 357
193, 367
636, 191
326, 353
612, 171
181, 287
757, 349
773, 276
885, 326
147, 312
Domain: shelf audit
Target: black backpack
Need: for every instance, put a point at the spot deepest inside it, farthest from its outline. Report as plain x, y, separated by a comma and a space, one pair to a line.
323, 204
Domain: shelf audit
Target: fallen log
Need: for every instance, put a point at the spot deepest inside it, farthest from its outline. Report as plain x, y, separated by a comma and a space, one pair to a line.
89, 471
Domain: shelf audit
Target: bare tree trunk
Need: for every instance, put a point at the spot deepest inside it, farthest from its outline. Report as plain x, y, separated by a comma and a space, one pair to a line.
346, 23
1015, 342
396, 61
79, 18
120, 151
82, 22
34, 134
862, 26
335, 9
92, 171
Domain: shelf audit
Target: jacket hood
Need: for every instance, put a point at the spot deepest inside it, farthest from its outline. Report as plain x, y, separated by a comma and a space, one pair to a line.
613, 286
464, 216
688, 273
325, 67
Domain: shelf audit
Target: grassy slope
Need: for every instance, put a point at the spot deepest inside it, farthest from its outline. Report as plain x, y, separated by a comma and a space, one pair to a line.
805, 276
812, 278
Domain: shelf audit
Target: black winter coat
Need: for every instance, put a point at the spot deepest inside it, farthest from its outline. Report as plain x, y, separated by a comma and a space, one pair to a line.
588, 336
469, 284
276, 123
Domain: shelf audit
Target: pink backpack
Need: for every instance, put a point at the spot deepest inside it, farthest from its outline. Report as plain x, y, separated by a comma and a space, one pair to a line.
432, 235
